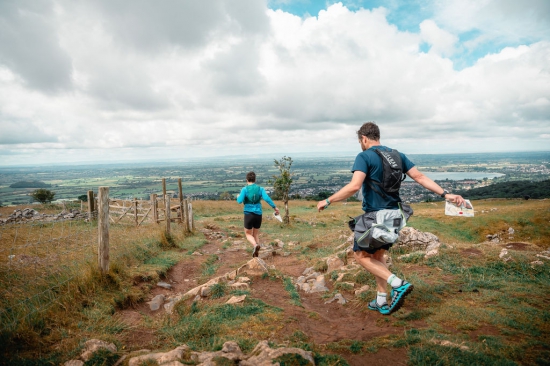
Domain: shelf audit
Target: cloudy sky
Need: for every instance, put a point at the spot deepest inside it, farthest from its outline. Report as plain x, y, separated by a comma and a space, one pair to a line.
114, 80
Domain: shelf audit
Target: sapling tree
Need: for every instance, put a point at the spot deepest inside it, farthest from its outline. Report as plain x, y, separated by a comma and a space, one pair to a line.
43, 195
282, 182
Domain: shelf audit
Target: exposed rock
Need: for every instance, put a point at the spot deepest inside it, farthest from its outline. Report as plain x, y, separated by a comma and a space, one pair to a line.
254, 267
263, 355
279, 243
318, 285
349, 284
164, 285
236, 299
94, 345
156, 303
160, 358
29, 214
412, 238
432, 249
230, 351
239, 286
312, 275
338, 297
206, 291
511, 231
504, 255
266, 254
449, 344
74, 363
361, 290
334, 263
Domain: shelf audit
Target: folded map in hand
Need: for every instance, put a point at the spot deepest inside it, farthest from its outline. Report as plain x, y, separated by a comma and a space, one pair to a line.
452, 210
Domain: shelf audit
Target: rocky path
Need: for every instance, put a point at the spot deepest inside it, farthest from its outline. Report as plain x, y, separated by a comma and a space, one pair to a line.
322, 322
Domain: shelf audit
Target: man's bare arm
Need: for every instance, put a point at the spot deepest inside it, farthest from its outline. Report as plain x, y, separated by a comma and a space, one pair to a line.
347, 191
433, 186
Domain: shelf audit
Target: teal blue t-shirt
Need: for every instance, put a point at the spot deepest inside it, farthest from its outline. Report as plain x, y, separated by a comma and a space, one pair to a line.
370, 163
255, 208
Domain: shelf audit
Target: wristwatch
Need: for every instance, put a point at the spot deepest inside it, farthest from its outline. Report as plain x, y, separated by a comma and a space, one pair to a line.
445, 192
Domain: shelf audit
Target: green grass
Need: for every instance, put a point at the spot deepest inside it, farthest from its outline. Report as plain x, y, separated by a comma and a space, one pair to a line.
202, 326
291, 289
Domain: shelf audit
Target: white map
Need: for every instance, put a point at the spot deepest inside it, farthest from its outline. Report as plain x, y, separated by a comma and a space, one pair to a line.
452, 210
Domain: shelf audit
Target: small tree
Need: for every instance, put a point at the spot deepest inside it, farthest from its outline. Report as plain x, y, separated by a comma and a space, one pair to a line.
226, 196
43, 195
84, 197
282, 182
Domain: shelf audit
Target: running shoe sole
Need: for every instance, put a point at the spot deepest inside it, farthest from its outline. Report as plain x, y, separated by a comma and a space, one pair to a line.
256, 251
400, 294
373, 305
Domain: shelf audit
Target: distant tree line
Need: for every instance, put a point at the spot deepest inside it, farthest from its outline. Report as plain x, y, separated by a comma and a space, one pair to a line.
30, 184
515, 189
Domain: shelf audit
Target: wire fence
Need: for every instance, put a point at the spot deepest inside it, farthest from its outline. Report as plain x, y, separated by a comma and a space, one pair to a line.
41, 255
37, 260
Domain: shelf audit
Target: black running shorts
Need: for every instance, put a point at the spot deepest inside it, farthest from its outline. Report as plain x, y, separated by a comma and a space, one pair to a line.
252, 221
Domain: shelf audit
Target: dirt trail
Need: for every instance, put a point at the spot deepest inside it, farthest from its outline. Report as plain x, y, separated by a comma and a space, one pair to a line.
322, 323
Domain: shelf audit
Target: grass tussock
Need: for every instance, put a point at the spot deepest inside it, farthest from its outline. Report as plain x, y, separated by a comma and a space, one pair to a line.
68, 299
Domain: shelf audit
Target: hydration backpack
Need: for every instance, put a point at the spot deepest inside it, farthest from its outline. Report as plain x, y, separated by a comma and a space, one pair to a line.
253, 194
392, 173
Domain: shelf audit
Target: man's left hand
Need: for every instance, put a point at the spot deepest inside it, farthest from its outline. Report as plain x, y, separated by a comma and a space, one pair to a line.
321, 205
456, 199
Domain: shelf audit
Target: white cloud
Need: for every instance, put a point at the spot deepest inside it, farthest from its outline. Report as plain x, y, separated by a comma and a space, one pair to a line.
442, 42
218, 80
508, 20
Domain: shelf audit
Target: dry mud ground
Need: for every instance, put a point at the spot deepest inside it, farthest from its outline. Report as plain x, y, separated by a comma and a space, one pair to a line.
322, 323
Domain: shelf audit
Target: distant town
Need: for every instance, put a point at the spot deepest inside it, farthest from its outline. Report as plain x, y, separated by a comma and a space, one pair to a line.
215, 180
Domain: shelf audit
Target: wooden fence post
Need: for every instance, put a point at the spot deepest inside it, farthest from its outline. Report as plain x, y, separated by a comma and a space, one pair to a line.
163, 191
180, 196
167, 214
90, 204
155, 208
136, 211
191, 221
103, 229
186, 216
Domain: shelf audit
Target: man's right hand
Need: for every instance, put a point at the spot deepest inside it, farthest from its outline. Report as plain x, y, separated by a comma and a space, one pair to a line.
321, 205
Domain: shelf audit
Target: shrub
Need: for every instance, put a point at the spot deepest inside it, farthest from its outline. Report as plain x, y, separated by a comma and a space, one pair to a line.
43, 195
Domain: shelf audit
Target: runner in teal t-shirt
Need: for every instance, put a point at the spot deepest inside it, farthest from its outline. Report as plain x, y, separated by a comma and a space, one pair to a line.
253, 211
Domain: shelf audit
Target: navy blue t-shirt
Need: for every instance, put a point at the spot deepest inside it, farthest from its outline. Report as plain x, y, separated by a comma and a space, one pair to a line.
370, 163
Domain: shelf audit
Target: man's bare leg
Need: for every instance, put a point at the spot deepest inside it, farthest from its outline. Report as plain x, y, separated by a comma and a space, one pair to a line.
376, 265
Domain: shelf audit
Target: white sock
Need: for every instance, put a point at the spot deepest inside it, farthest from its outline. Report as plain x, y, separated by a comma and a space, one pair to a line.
395, 281
381, 298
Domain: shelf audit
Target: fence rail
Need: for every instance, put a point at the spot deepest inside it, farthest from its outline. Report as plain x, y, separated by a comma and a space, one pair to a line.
39, 258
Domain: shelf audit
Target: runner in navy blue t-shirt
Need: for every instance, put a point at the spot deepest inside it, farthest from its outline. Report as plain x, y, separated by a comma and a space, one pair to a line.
369, 164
